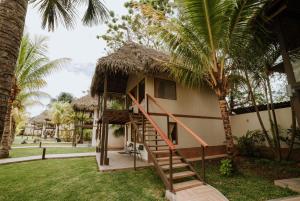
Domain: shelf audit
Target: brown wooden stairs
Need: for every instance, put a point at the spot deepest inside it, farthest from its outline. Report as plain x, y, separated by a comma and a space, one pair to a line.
173, 168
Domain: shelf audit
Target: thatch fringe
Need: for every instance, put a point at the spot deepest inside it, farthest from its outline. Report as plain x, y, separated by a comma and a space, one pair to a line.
86, 103
131, 58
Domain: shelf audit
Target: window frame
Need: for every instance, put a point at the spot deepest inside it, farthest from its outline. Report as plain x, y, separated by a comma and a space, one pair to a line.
156, 94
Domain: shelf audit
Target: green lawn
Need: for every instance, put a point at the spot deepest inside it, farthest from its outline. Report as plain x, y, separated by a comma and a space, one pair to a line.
38, 151
247, 185
76, 180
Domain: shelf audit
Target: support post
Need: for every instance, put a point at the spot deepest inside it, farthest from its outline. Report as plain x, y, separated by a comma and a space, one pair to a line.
134, 150
203, 164
143, 124
44, 154
288, 68
106, 160
102, 136
171, 170
40, 144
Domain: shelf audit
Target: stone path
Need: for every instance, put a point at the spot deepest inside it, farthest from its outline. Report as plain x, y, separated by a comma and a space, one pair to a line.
200, 193
293, 184
48, 156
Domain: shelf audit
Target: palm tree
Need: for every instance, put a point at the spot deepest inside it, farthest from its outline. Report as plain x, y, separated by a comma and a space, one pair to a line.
202, 42
32, 67
60, 114
12, 21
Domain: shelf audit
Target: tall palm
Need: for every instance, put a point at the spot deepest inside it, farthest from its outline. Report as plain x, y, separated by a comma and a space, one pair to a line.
12, 21
29, 77
202, 43
60, 114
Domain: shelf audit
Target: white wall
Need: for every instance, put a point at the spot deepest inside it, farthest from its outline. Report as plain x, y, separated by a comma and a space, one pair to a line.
243, 122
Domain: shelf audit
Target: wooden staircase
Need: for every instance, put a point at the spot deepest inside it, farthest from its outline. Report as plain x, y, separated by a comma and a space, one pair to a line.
175, 171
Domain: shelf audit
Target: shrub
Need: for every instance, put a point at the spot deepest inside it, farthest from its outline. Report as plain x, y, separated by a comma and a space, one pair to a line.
247, 145
226, 168
87, 134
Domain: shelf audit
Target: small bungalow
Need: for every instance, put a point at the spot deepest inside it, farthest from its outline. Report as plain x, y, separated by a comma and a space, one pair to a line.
165, 123
40, 125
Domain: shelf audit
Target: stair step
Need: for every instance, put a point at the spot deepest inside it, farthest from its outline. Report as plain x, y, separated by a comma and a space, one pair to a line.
186, 185
153, 140
165, 151
167, 158
160, 145
167, 162
180, 175
178, 165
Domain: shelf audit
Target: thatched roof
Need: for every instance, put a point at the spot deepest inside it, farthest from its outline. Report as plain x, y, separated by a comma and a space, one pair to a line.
131, 58
85, 103
41, 118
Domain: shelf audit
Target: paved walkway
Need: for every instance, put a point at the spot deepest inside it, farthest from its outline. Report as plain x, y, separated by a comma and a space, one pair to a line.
119, 161
48, 156
200, 193
293, 184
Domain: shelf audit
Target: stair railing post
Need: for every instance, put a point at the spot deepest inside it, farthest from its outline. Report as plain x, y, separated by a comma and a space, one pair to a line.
143, 121
134, 149
203, 164
171, 170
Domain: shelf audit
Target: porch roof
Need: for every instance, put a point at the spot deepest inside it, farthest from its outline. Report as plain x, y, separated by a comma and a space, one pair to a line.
85, 103
129, 59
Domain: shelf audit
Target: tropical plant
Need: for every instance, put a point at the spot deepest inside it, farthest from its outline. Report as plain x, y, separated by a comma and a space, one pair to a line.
12, 22
118, 130
32, 67
203, 41
226, 168
64, 97
60, 114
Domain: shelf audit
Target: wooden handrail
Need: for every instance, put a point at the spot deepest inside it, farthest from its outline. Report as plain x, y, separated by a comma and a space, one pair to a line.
198, 139
153, 123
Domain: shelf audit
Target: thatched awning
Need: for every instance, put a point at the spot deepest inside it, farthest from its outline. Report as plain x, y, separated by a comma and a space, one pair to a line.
41, 118
131, 58
85, 103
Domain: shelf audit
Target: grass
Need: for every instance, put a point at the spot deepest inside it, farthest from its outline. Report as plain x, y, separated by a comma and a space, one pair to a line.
246, 185
76, 180
14, 153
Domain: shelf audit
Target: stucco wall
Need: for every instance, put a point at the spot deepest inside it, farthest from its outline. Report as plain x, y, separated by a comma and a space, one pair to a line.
201, 102
243, 122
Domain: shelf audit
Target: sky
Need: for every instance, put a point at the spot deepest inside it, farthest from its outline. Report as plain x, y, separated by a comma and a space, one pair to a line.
79, 44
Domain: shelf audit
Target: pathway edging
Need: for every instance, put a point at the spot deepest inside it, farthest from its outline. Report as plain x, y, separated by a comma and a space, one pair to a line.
48, 156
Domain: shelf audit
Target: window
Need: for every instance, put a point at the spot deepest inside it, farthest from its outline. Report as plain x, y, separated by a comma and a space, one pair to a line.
173, 132
164, 89
141, 90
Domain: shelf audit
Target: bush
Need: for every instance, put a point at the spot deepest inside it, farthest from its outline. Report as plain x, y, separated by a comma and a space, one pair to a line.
247, 145
226, 168
87, 134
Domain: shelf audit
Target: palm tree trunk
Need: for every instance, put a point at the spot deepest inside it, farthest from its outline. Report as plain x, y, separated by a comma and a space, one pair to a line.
12, 21
227, 126
5, 142
275, 125
257, 111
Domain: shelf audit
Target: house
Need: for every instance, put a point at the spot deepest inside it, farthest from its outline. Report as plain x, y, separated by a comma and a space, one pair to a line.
40, 125
165, 122
88, 105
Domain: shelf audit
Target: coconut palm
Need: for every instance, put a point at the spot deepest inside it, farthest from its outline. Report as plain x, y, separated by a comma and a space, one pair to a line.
60, 114
12, 21
29, 77
202, 42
